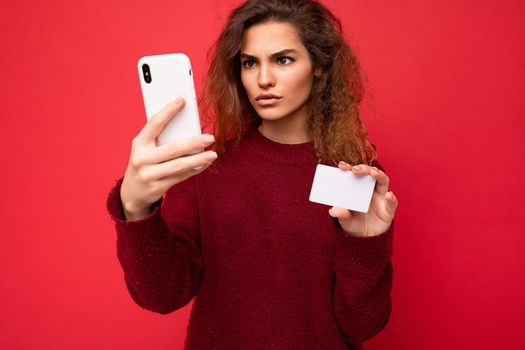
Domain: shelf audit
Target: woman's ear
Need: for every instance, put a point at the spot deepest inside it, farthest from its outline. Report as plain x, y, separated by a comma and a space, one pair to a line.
317, 72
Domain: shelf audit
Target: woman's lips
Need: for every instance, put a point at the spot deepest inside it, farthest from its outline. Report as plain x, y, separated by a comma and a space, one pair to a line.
267, 101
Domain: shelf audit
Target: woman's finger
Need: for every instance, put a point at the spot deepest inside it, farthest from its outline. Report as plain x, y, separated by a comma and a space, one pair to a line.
340, 213
361, 169
391, 203
156, 123
344, 166
382, 180
184, 147
167, 182
176, 167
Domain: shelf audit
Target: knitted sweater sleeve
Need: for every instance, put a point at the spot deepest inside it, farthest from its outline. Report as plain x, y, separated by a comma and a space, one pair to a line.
160, 257
364, 276
363, 282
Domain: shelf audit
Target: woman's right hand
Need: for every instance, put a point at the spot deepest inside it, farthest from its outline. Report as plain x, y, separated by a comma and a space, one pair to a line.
153, 170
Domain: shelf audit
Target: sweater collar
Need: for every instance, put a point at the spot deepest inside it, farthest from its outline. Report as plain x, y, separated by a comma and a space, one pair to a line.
299, 153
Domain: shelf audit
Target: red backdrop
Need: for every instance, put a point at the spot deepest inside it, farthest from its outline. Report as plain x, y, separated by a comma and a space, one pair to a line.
446, 112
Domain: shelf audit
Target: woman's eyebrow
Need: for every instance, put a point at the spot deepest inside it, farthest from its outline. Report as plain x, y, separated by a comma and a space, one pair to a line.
283, 53
273, 55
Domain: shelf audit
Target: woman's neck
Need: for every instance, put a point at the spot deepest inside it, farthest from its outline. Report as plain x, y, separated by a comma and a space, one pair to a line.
286, 131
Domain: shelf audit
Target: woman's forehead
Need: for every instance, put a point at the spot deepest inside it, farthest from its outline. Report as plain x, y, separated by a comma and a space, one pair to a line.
268, 38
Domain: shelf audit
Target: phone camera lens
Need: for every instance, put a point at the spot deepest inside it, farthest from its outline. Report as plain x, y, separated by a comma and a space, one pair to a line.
146, 72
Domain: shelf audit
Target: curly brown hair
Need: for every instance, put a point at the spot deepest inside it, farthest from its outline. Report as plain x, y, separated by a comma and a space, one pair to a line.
334, 125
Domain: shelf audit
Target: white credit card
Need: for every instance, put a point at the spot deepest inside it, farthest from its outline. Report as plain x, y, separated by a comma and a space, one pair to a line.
339, 188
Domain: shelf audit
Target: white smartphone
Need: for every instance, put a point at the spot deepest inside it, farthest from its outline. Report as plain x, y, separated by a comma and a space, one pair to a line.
162, 79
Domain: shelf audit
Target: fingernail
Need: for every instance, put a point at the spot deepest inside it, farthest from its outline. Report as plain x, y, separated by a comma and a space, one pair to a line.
211, 156
356, 167
208, 138
178, 100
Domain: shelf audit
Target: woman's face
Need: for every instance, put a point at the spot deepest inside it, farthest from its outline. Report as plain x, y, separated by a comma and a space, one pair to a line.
276, 71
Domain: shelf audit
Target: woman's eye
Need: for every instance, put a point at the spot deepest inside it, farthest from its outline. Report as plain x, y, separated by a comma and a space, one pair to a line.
284, 60
248, 63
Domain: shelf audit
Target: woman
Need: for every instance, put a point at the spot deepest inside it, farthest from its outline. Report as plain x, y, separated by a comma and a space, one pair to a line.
268, 268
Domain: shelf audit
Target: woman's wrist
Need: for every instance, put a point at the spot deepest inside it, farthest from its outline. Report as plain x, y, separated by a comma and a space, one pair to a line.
132, 213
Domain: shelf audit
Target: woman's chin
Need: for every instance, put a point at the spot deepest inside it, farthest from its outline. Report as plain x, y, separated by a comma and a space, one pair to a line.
270, 116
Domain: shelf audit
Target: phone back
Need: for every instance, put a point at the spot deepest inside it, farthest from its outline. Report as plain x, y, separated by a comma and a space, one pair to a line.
162, 79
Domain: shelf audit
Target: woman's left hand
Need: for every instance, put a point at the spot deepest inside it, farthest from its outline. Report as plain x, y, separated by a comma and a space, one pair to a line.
382, 206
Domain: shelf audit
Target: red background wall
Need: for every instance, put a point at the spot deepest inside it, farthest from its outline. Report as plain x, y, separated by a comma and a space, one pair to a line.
446, 112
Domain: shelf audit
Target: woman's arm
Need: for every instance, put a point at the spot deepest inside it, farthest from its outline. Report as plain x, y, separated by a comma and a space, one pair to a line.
363, 267
363, 284
160, 257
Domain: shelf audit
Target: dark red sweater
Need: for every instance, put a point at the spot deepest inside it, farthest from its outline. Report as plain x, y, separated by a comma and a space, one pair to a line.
268, 268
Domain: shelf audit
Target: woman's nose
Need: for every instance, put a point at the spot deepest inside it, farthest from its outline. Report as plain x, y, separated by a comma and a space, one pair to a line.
266, 78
